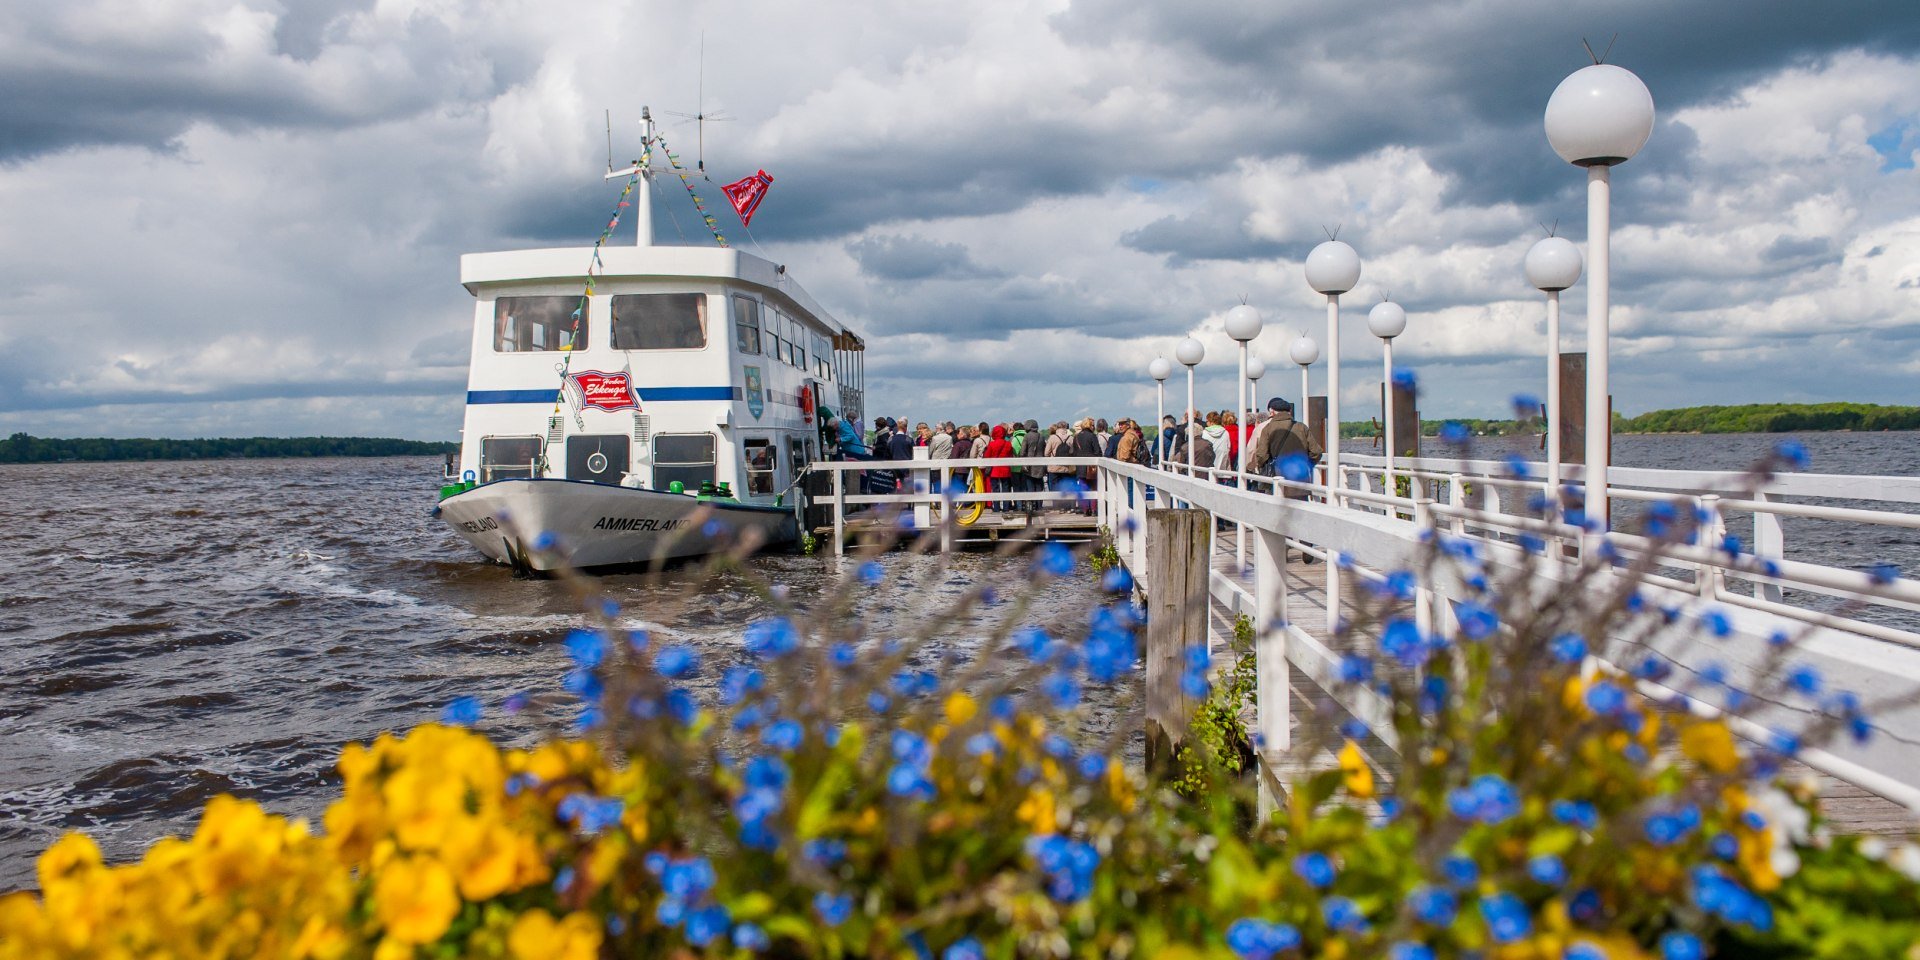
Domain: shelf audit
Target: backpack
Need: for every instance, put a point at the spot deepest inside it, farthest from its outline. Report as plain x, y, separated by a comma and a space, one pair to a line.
1202, 453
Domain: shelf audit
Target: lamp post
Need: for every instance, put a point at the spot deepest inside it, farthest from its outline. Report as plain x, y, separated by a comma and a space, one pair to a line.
1159, 370
1553, 265
1332, 269
1598, 117
1387, 320
1305, 352
1190, 352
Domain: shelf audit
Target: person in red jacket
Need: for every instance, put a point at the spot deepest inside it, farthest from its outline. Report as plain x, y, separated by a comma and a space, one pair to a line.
999, 479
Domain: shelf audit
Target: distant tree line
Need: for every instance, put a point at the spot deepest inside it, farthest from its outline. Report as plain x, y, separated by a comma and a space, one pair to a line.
1772, 418
21, 448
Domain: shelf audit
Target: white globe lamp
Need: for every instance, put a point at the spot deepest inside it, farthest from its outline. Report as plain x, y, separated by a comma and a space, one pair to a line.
1553, 265
1256, 368
1189, 352
1599, 116
1387, 320
1305, 352
1160, 369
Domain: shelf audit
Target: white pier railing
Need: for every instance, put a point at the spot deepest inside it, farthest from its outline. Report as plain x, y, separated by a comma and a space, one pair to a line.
1372, 533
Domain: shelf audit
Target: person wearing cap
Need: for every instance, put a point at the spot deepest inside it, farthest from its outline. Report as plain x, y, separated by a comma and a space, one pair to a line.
1283, 437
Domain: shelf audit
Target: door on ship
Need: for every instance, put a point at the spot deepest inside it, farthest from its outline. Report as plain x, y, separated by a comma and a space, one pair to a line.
597, 458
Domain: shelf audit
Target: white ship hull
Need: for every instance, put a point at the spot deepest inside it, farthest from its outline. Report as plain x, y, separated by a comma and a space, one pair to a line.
601, 525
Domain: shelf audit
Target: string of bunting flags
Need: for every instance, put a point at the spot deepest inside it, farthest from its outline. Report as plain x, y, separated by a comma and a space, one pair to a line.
594, 264
686, 180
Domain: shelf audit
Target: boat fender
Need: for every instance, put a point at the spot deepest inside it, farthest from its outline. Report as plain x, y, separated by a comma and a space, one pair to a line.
676, 487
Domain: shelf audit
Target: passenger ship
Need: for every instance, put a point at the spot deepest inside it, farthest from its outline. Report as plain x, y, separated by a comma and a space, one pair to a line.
674, 423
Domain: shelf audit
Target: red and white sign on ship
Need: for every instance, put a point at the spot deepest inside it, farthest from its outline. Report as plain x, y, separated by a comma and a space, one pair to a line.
604, 391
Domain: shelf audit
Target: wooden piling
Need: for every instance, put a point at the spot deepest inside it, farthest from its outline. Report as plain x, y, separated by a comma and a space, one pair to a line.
1179, 545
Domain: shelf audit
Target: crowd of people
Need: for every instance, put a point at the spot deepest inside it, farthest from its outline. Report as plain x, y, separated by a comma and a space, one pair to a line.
1210, 441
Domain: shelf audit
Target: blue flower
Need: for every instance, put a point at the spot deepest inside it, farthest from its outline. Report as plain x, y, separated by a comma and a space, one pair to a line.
871, 573
1681, 945
1409, 950
1355, 669
1116, 580
1476, 620
966, 948
1433, 906
1093, 766
907, 781
738, 682
681, 706
1460, 870
843, 655
750, 937
461, 712
687, 879
1110, 653
1717, 894
584, 684
1453, 431
1488, 799
1568, 648
588, 648
824, 851
911, 748
1653, 667
1606, 699
1054, 559
1805, 679
1724, 846
773, 637
1256, 939
1316, 869
1578, 813
1716, 622
1062, 689
1882, 574
1069, 865
1402, 641
1547, 869
1342, 914
833, 908
676, 661
784, 735
1296, 467
1793, 452
877, 701
1507, 917
707, 923
764, 772
1518, 466
1666, 828
1400, 584
1404, 379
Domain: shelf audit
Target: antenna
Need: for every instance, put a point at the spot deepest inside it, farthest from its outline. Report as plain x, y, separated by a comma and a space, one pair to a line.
1553, 229
1600, 57
1333, 234
700, 116
609, 141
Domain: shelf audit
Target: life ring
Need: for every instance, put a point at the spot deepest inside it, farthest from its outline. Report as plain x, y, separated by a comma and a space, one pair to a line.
806, 404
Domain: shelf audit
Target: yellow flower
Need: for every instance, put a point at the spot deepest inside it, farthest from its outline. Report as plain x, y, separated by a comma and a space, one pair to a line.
961, 708
535, 936
1709, 744
1353, 766
1037, 811
414, 899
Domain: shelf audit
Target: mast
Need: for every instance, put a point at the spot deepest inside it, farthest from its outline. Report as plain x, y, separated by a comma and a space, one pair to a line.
643, 200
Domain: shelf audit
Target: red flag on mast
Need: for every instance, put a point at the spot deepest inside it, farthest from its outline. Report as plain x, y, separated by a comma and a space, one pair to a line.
746, 194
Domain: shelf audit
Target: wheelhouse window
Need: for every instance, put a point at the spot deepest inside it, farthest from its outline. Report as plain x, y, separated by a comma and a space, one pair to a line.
746, 326
822, 365
659, 321
686, 457
504, 458
529, 324
761, 459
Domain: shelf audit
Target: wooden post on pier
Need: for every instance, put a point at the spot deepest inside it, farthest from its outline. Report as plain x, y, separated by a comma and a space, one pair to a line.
1179, 546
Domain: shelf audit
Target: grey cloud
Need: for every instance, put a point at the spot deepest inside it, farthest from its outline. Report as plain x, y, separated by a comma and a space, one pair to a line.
912, 257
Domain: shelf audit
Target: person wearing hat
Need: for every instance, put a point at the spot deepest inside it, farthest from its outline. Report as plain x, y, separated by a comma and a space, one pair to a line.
1283, 436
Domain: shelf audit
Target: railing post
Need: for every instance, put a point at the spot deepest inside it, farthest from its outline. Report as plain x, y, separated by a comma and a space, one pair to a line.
1423, 598
1712, 532
1178, 542
1272, 703
1769, 543
946, 509
839, 513
922, 512
1457, 497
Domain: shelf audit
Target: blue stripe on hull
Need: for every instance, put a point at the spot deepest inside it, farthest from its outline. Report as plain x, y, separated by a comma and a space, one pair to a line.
647, 394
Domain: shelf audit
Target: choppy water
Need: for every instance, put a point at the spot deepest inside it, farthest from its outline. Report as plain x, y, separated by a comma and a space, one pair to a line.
174, 631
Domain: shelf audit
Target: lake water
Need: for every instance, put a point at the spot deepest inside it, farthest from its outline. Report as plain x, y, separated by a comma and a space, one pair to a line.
172, 631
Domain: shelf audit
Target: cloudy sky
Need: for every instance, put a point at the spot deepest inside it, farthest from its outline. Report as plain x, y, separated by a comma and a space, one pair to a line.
236, 217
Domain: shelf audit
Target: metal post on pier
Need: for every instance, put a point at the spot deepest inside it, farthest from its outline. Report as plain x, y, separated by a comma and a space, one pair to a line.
922, 511
1272, 699
946, 509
